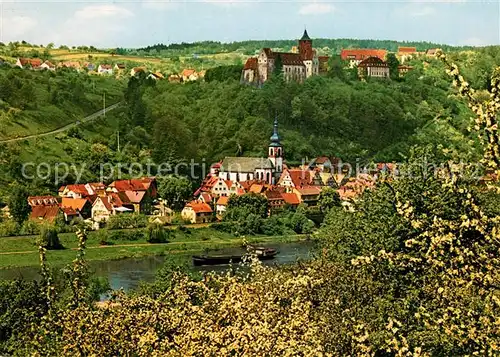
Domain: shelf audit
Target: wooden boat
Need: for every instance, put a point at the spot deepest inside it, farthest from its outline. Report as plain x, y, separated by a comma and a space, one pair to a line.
260, 252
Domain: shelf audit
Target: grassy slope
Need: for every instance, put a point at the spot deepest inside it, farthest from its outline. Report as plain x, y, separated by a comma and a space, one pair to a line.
22, 251
46, 117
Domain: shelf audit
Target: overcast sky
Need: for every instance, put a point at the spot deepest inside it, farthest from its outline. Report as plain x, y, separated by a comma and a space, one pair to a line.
140, 23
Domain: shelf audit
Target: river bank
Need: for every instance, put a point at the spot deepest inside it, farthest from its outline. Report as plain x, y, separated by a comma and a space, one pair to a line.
129, 273
20, 252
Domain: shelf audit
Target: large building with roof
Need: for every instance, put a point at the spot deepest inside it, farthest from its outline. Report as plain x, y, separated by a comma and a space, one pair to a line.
295, 66
241, 169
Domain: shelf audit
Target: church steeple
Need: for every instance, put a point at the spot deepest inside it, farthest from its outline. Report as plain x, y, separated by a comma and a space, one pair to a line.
275, 138
276, 151
305, 36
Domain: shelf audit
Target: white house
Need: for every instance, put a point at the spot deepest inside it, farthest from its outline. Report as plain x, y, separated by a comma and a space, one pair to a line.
48, 66
105, 69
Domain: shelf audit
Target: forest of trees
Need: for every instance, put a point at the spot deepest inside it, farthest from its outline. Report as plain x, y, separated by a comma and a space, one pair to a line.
249, 47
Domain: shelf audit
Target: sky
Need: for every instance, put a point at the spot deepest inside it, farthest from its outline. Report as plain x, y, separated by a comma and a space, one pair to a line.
138, 23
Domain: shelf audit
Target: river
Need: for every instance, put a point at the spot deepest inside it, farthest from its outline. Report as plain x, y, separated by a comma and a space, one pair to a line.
128, 273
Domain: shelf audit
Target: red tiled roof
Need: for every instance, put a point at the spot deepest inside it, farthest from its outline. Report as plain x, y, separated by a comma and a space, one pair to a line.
251, 63
42, 200
309, 190
107, 203
35, 62
403, 49
222, 200
290, 59
291, 198
300, 177
135, 196
131, 185
73, 203
78, 189
106, 66
48, 213
187, 72
200, 207
373, 62
206, 197
68, 211
273, 195
360, 54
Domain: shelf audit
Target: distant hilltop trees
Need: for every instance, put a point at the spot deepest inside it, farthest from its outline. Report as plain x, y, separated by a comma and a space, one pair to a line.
333, 46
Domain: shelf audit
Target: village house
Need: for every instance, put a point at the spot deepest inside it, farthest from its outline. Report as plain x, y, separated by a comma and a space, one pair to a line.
373, 67
431, 52
196, 212
41, 213
42, 201
275, 200
48, 66
136, 70
80, 206
105, 69
189, 75
33, 63
71, 65
308, 194
222, 188
108, 205
406, 53
358, 55
119, 67
403, 69
82, 190
156, 76
140, 192
89, 66
295, 66
174, 78
291, 199
221, 206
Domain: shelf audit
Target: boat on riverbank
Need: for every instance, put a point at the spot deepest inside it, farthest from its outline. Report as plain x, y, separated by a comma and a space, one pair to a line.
262, 253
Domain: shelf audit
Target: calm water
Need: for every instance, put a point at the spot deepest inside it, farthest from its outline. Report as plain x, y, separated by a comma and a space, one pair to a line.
127, 273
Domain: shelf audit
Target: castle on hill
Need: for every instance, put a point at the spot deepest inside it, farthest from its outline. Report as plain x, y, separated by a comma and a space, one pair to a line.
295, 66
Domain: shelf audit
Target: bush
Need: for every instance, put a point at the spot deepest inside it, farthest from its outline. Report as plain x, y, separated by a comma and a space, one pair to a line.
125, 221
49, 238
156, 234
9, 228
129, 235
30, 228
103, 237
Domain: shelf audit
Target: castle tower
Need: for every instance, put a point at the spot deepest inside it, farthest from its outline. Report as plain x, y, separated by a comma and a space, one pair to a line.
305, 47
276, 151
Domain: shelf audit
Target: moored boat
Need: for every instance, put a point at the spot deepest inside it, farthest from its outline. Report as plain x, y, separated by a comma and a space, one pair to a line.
261, 253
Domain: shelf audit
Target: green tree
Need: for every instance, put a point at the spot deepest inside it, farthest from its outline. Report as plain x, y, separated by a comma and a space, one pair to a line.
336, 68
49, 238
328, 198
175, 190
156, 234
18, 203
240, 207
393, 64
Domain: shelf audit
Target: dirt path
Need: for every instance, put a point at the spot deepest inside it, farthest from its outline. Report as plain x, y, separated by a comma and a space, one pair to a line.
66, 127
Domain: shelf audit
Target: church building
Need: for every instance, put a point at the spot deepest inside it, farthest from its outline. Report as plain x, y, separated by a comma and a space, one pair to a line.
294, 66
240, 169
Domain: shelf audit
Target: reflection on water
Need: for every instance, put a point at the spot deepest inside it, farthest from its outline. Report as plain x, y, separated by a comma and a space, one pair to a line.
127, 273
